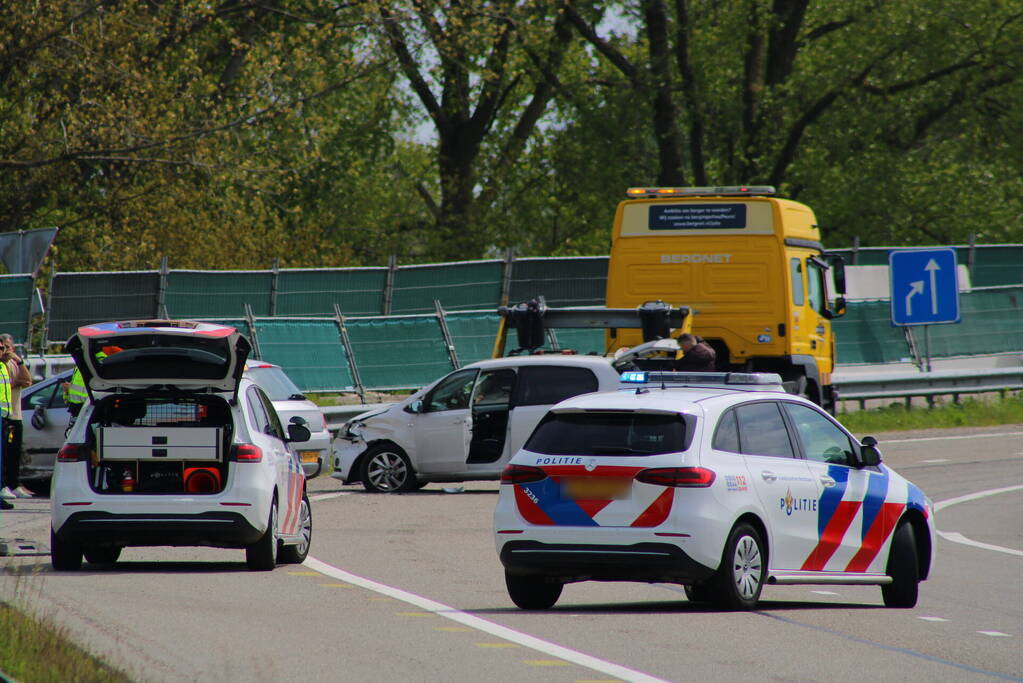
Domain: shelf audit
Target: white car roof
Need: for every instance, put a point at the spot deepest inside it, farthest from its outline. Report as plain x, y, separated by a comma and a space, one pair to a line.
669, 400
543, 359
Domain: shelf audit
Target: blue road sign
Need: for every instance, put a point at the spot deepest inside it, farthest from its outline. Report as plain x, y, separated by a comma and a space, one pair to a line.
925, 286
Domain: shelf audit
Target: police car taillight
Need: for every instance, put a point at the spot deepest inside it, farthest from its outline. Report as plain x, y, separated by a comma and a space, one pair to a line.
246, 452
522, 474
72, 452
682, 477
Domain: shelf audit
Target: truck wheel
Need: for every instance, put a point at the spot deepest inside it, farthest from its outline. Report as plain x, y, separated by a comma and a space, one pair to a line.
65, 556
261, 556
296, 554
532, 592
903, 568
386, 469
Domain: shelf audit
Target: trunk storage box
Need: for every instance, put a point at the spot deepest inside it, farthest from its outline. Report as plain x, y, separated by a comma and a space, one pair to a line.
159, 443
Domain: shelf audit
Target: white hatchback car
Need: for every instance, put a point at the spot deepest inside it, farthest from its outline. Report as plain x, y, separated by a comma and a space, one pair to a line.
289, 402
466, 425
175, 447
722, 486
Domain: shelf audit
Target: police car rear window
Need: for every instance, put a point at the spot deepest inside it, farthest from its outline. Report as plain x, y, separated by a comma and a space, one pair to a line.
610, 434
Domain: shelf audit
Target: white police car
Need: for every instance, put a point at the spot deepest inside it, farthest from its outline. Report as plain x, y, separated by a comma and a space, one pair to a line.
722, 485
175, 447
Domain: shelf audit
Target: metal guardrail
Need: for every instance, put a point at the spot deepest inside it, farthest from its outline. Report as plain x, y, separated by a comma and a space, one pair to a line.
907, 385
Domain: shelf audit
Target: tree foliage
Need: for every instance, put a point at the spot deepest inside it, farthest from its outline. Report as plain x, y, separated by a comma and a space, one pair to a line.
231, 134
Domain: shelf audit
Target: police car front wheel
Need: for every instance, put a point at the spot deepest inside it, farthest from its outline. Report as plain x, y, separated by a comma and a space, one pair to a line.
904, 569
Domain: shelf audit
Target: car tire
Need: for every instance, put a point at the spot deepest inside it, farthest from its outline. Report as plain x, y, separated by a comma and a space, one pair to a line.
386, 469
532, 592
65, 556
740, 578
261, 556
102, 554
296, 554
903, 567
699, 592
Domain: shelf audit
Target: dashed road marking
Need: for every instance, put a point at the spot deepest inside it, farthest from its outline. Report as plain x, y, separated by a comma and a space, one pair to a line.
996, 634
932, 618
524, 639
825, 592
957, 537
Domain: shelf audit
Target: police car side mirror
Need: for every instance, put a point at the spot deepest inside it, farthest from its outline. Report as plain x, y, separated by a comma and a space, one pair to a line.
870, 455
415, 407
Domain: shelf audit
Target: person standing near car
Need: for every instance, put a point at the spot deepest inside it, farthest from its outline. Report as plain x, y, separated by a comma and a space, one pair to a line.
14, 376
698, 355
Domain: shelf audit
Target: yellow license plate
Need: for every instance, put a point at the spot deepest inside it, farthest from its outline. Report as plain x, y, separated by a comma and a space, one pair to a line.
310, 456
595, 488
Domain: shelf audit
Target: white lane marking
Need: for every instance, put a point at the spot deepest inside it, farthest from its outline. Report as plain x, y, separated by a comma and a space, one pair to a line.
996, 634
328, 496
552, 649
957, 537
932, 618
949, 438
824, 592
974, 496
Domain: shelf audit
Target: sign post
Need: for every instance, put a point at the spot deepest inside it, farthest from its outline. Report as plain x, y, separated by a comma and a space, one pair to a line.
924, 289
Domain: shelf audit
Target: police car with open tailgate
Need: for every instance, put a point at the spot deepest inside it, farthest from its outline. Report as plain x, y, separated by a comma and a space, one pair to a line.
720, 482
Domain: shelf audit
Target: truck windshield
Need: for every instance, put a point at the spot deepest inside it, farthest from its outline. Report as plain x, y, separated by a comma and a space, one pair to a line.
622, 433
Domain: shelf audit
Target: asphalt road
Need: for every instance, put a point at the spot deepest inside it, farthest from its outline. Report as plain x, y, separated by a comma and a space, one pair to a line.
409, 587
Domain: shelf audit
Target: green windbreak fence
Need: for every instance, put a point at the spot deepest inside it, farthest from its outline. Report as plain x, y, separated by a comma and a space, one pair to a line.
574, 281
398, 353
310, 351
458, 286
16, 305
78, 299
473, 335
992, 322
209, 293
865, 335
356, 291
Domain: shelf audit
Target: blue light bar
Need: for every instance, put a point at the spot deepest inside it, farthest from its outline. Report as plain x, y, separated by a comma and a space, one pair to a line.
759, 379
634, 376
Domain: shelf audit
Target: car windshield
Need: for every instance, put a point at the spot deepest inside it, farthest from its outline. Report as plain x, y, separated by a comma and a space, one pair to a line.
618, 433
277, 385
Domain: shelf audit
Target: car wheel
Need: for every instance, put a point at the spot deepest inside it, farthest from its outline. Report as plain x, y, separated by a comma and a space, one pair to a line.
296, 554
102, 554
532, 592
386, 469
740, 578
700, 592
904, 569
65, 556
261, 556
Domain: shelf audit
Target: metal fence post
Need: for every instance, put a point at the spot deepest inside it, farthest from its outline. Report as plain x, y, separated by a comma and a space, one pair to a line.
353, 367
971, 257
446, 333
49, 302
161, 290
855, 251
276, 270
506, 276
392, 266
250, 320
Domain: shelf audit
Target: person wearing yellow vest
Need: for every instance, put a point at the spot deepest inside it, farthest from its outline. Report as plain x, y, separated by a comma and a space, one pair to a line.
74, 391
14, 376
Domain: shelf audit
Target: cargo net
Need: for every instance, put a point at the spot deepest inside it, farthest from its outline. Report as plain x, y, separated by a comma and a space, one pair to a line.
139, 412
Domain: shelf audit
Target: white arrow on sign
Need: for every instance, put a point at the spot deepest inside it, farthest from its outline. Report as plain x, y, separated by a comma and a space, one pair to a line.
930, 268
915, 288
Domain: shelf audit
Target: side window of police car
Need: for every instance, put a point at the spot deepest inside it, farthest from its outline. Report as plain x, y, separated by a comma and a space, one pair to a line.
822, 440
259, 419
452, 393
762, 430
273, 422
726, 436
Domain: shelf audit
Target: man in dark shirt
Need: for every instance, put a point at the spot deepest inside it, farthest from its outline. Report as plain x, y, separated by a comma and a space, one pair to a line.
698, 355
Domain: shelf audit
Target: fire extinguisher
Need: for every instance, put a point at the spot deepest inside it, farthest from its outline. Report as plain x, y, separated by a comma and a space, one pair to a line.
128, 481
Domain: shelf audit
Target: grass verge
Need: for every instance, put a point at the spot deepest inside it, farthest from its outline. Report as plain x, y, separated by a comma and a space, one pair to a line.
36, 651
967, 413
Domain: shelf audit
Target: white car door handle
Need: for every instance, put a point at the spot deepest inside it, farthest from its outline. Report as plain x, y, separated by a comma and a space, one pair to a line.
768, 475
827, 481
